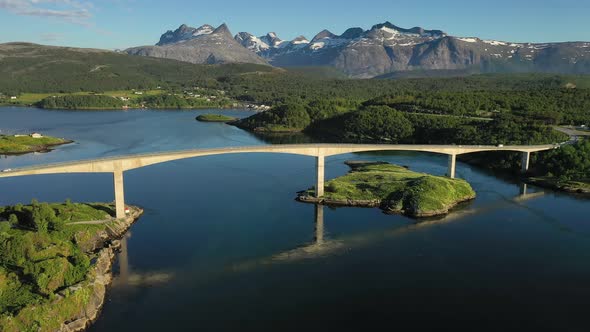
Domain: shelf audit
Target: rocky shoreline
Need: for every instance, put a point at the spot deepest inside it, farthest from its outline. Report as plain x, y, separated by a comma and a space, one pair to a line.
100, 276
386, 206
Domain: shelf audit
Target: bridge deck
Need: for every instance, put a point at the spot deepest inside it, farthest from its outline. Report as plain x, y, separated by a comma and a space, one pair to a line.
108, 165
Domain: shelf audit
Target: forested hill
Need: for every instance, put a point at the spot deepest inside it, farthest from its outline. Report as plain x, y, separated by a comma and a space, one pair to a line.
26, 67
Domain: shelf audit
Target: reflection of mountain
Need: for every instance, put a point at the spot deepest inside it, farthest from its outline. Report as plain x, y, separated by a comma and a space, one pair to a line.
322, 246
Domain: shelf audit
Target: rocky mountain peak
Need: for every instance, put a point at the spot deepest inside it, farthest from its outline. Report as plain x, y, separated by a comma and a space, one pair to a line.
383, 49
184, 33
251, 42
324, 34
352, 33
392, 28
222, 30
240, 36
300, 40
272, 39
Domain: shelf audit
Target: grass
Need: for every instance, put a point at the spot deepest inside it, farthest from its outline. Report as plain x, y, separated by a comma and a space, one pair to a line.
215, 118
397, 189
37, 266
24, 144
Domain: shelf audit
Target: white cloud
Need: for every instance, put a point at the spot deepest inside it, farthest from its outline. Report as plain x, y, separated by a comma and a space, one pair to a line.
75, 11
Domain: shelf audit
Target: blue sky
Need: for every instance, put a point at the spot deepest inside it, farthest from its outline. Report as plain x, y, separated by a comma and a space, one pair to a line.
124, 23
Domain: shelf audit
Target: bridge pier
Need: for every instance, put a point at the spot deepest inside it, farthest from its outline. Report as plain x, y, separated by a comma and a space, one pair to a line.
119, 191
526, 157
319, 187
452, 166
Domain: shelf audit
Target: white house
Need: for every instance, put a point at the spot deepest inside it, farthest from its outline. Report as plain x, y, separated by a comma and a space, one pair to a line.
36, 135
13, 98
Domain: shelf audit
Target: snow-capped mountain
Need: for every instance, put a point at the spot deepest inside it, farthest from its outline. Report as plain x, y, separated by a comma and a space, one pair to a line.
252, 42
272, 40
199, 45
184, 33
381, 50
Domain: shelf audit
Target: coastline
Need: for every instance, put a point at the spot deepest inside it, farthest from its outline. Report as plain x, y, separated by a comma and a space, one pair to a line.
569, 187
90, 108
40, 148
383, 205
100, 276
77, 306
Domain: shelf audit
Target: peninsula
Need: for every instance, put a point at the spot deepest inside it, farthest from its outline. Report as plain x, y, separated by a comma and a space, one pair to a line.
55, 263
395, 189
35, 142
215, 118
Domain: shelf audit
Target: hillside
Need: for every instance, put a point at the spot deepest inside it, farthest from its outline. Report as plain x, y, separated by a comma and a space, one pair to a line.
26, 67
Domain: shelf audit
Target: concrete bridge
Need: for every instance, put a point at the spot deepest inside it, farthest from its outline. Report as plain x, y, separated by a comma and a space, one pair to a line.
118, 165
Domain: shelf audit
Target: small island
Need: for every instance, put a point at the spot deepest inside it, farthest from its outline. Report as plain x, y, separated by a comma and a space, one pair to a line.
55, 263
215, 118
395, 189
34, 142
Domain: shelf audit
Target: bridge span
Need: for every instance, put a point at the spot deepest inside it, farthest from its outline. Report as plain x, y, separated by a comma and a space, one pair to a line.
118, 165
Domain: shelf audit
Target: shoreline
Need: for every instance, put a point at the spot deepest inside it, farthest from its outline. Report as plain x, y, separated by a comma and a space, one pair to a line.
41, 148
377, 203
244, 108
552, 184
100, 276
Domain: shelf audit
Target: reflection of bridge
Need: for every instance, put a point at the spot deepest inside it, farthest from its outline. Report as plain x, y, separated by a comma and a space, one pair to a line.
117, 165
323, 246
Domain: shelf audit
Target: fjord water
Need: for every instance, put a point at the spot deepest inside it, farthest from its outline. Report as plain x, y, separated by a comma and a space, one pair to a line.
223, 245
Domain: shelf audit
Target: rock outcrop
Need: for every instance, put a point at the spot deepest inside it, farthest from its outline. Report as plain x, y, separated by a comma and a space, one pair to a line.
100, 276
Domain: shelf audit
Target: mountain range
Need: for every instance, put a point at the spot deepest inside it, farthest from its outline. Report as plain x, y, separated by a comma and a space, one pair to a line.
383, 50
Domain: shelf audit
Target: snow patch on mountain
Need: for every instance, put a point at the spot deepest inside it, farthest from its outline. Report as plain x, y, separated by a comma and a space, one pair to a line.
204, 30
468, 40
495, 42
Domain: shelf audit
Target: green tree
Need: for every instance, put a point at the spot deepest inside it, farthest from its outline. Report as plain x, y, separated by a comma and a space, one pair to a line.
13, 219
378, 123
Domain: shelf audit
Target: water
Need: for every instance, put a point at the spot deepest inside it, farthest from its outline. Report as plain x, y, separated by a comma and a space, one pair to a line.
223, 246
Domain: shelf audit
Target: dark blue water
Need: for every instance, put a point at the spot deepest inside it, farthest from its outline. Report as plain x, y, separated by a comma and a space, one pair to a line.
223, 246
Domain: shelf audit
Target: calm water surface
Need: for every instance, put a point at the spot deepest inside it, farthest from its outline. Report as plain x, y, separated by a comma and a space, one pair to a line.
223, 246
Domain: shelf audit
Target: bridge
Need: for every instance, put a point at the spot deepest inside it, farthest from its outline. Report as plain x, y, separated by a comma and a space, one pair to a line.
118, 165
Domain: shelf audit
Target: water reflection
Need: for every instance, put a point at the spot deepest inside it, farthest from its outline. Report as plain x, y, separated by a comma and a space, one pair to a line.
319, 224
323, 246
127, 279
